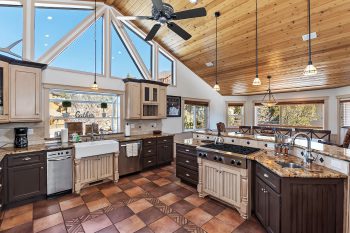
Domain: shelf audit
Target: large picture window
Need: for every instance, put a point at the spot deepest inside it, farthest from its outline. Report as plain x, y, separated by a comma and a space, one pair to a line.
291, 114
11, 25
196, 115
235, 114
345, 113
85, 109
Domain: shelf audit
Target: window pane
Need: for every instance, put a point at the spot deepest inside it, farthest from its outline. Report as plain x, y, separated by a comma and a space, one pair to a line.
83, 104
189, 117
201, 117
165, 69
123, 66
11, 25
51, 24
234, 116
310, 115
143, 48
80, 55
345, 114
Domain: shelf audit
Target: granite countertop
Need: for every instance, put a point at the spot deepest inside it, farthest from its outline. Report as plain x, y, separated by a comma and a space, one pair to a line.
319, 148
34, 148
268, 160
122, 138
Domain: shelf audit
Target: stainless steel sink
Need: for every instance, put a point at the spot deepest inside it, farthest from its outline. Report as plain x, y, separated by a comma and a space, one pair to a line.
289, 165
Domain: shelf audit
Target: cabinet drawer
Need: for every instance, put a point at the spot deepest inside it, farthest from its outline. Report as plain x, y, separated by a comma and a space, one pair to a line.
149, 162
184, 149
25, 159
165, 140
187, 161
273, 180
149, 151
187, 174
149, 142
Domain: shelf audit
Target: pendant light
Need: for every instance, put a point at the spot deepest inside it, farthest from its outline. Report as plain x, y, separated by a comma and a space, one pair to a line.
310, 68
270, 101
94, 86
256, 81
216, 86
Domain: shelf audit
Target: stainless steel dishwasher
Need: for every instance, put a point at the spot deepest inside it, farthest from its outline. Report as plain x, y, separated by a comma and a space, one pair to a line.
128, 165
59, 172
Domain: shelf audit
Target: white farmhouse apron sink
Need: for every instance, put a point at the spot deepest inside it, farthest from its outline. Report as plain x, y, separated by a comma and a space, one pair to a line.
87, 149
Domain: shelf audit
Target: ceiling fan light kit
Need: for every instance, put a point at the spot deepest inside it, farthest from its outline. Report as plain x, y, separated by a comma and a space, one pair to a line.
310, 69
164, 14
256, 81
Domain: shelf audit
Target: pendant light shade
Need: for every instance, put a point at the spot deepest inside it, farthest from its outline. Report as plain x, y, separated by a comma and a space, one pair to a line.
256, 81
269, 100
310, 68
94, 86
216, 86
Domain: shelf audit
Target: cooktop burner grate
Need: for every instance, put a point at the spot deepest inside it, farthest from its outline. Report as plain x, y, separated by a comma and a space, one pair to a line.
243, 150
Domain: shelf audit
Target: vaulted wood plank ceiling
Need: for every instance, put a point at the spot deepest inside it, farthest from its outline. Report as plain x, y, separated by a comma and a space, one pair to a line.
283, 53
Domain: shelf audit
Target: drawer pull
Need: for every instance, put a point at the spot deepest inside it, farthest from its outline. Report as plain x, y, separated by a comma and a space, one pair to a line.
266, 175
149, 151
187, 150
41, 168
0, 185
149, 161
26, 159
187, 161
0, 168
165, 140
149, 142
187, 174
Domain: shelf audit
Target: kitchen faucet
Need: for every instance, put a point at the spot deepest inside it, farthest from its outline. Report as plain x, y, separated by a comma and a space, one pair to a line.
308, 158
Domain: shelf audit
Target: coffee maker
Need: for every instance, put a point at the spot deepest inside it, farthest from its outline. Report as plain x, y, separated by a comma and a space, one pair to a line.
21, 138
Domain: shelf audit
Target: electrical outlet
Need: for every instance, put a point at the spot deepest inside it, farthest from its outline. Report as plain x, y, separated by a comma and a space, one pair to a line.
30, 131
154, 125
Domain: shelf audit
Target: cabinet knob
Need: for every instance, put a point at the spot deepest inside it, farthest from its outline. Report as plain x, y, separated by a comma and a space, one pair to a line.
187, 174
41, 167
266, 175
187, 150
26, 159
149, 151
0, 168
149, 161
0, 185
187, 161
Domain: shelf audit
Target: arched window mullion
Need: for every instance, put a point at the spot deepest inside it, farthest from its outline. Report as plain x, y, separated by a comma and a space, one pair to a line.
130, 46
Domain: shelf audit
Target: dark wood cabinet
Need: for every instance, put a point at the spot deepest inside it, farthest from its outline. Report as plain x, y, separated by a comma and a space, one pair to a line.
2, 186
186, 164
293, 205
25, 178
157, 151
26, 181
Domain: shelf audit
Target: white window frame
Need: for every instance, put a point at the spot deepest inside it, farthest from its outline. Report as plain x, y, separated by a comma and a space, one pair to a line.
243, 113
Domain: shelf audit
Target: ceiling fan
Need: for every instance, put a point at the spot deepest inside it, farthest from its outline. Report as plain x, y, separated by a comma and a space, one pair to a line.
164, 13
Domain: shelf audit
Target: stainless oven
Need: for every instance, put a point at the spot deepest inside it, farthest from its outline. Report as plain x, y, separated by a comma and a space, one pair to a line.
59, 172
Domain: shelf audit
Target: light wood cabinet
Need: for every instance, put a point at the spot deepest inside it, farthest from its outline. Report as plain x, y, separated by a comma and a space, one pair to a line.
25, 94
145, 99
4, 92
211, 178
133, 100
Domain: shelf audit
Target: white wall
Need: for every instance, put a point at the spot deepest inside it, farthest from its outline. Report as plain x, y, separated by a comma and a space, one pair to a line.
331, 94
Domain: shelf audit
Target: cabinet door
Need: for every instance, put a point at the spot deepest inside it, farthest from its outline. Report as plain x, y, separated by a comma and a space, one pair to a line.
4, 92
133, 101
164, 153
26, 181
105, 166
25, 93
211, 178
230, 187
260, 200
162, 102
273, 211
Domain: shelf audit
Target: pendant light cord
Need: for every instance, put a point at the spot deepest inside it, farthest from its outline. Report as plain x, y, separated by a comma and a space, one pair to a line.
216, 48
95, 41
256, 41
309, 25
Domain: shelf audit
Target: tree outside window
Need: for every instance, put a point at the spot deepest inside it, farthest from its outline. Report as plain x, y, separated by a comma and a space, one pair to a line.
195, 115
235, 115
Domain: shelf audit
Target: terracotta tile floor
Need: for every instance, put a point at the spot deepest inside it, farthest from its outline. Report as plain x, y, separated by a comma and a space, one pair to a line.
152, 201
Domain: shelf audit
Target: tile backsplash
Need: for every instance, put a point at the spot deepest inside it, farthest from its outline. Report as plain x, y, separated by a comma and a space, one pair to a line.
7, 134
144, 126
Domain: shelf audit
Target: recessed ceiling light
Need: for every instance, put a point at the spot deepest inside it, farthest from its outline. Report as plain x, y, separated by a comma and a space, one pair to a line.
47, 35
49, 17
193, 1
209, 64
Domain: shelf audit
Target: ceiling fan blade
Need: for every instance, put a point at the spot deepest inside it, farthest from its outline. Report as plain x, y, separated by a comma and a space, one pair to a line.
153, 32
178, 30
193, 13
158, 4
135, 17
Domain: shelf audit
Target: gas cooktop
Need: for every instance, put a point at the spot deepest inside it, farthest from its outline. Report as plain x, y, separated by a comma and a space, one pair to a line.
243, 150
